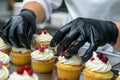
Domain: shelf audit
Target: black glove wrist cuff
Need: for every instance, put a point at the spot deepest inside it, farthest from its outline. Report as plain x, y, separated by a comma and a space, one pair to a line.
28, 11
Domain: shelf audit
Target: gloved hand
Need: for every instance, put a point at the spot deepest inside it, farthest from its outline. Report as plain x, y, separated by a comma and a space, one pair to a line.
81, 30
19, 30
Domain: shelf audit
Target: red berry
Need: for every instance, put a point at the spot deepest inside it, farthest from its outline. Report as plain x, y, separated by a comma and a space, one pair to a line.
36, 47
45, 31
30, 72
41, 49
56, 78
104, 59
1, 50
27, 67
20, 71
92, 58
1, 64
39, 32
62, 54
100, 55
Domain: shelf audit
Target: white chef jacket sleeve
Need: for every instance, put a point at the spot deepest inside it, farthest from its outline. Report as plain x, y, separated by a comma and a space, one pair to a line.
48, 5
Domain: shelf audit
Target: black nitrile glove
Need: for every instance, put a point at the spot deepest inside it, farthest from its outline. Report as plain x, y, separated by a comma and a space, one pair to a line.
81, 30
19, 30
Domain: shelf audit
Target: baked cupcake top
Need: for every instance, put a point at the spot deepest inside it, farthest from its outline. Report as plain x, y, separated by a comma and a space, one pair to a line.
21, 50
24, 73
4, 73
4, 57
42, 53
74, 60
42, 36
98, 63
3, 45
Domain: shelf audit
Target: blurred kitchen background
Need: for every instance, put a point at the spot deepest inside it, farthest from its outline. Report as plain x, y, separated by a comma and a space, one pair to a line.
13, 7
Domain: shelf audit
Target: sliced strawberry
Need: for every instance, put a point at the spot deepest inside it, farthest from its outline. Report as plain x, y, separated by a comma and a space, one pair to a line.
39, 32
56, 78
1, 64
62, 54
100, 55
27, 67
104, 59
41, 49
36, 47
20, 71
45, 31
92, 58
1, 50
30, 72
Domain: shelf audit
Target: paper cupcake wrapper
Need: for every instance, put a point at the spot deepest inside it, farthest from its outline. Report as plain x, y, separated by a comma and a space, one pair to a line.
20, 59
7, 65
118, 78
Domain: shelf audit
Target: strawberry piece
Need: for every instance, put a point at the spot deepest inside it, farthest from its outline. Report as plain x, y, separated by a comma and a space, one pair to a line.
20, 71
100, 55
36, 47
1, 64
39, 32
27, 67
104, 59
1, 50
30, 72
92, 58
56, 78
41, 49
45, 31
62, 54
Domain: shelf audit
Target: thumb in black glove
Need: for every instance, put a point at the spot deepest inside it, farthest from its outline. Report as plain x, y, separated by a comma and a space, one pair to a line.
81, 30
19, 30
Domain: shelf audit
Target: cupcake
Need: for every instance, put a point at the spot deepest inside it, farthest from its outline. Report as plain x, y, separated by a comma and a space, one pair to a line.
5, 47
42, 38
98, 67
118, 78
4, 58
20, 56
69, 69
23, 73
42, 60
4, 73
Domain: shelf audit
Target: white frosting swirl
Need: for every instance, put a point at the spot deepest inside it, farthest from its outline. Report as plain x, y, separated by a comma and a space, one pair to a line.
119, 74
4, 73
42, 37
4, 58
97, 65
3, 45
46, 55
24, 76
74, 60
22, 50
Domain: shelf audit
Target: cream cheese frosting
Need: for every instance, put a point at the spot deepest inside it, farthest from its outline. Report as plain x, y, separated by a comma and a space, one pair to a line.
4, 58
4, 73
97, 65
24, 76
42, 37
74, 60
3, 45
46, 55
22, 50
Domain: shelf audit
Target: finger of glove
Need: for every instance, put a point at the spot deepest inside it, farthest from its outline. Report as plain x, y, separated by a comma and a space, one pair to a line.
12, 36
75, 46
22, 32
59, 35
67, 41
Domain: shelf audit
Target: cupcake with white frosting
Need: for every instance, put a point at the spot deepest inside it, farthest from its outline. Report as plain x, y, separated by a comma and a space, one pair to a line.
20, 56
5, 59
42, 60
98, 67
4, 73
69, 69
118, 78
42, 38
23, 73
6, 48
